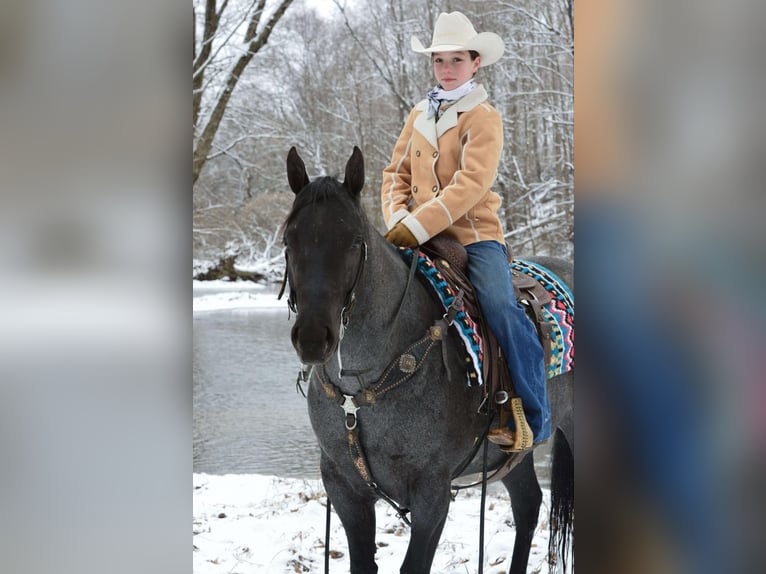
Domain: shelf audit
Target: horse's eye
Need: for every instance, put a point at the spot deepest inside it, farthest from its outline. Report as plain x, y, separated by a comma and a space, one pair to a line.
356, 243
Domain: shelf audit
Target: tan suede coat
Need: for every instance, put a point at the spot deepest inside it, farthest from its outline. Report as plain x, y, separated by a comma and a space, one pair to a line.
441, 172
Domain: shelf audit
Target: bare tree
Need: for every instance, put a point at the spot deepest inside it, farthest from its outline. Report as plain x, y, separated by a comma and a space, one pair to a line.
220, 32
328, 83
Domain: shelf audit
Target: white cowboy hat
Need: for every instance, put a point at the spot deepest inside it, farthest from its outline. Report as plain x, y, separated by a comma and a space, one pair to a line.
454, 32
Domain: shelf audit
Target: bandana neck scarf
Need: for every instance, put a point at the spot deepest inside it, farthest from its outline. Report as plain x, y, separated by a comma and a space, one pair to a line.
437, 96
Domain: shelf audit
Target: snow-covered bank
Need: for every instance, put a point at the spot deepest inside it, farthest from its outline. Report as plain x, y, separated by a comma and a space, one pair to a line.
268, 525
218, 295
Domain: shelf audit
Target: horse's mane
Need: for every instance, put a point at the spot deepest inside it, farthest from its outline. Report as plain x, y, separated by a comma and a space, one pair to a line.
322, 189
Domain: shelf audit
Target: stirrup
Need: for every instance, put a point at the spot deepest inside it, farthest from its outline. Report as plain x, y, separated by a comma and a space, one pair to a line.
523, 434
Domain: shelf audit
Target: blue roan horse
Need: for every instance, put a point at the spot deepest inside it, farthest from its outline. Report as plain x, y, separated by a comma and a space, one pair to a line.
355, 313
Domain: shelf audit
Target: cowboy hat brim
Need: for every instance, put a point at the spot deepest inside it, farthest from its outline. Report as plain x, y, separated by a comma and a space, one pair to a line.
489, 45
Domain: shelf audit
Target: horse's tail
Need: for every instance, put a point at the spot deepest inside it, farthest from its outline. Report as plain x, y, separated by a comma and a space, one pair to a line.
562, 502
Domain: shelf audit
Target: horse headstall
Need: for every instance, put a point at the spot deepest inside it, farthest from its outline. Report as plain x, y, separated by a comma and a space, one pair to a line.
291, 297
292, 303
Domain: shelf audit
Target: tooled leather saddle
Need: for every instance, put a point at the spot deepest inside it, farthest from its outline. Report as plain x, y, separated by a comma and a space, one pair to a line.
451, 259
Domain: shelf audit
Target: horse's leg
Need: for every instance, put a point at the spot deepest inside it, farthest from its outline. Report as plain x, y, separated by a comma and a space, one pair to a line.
429, 513
356, 510
526, 498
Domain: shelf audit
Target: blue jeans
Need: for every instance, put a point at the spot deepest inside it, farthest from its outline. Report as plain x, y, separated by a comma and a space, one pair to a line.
490, 275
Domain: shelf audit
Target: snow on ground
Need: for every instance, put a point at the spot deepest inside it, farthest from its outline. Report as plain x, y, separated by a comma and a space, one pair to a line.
216, 295
247, 524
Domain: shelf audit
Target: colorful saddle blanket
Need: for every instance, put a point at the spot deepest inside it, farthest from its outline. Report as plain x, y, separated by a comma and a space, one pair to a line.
559, 313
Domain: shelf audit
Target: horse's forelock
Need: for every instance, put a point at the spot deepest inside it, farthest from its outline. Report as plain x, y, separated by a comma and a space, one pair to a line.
322, 189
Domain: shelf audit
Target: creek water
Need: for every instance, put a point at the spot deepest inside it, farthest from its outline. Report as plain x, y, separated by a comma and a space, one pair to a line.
248, 416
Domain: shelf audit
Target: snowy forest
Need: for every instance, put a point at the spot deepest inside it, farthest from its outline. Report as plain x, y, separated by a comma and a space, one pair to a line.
326, 75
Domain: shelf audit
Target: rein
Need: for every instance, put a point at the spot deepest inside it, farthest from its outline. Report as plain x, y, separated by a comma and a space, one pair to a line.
350, 300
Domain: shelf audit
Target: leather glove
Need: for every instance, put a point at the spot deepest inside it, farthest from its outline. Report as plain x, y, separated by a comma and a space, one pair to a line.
400, 236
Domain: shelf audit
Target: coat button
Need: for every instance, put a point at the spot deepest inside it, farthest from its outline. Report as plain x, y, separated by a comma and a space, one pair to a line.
436, 154
435, 188
417, 153
414, 189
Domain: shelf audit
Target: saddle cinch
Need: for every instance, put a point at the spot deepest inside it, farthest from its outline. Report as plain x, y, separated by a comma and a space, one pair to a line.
451, 259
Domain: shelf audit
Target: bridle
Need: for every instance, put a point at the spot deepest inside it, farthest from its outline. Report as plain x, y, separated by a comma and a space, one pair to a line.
349, 301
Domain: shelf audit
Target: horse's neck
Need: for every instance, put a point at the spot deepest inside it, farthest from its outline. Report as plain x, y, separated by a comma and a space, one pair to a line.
382, 296
384, 319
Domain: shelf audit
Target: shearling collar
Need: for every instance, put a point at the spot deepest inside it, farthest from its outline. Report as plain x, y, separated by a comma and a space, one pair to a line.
432, 129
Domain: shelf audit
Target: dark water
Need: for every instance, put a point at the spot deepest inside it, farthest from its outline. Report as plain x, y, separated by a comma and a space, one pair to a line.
248, 417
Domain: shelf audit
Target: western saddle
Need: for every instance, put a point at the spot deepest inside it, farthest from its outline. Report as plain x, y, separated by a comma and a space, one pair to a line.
451, 259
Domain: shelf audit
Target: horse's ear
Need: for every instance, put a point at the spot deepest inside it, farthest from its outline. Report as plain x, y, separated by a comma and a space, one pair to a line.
296, 171
355, 172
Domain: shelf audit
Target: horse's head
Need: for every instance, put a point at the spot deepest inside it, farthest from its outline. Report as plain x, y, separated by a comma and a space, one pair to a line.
325, 250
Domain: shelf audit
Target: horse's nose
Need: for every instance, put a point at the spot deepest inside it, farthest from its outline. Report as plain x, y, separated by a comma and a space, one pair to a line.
313, 343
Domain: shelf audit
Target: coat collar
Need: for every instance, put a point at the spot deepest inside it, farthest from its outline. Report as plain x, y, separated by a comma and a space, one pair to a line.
432, 130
